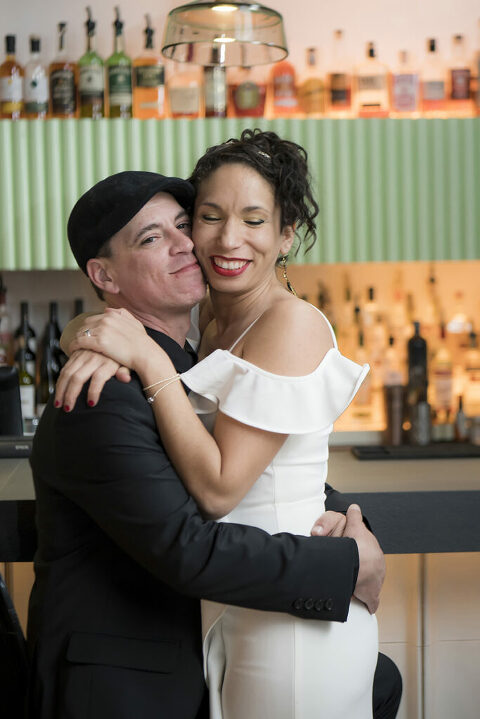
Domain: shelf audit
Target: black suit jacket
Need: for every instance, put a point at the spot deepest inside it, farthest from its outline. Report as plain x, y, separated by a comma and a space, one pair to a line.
124, 555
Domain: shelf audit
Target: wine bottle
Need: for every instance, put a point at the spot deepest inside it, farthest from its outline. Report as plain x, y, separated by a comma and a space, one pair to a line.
25, 341
51, 360
6, 340
417, 368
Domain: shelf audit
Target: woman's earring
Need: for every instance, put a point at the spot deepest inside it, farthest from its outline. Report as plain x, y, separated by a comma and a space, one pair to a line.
285, 276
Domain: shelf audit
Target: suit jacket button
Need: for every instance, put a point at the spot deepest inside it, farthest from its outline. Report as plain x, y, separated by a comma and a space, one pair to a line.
308, 604
319, 605
298, 604
329, 605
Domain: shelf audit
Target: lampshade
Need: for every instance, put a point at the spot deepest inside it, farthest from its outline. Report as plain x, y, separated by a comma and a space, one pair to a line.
224, 33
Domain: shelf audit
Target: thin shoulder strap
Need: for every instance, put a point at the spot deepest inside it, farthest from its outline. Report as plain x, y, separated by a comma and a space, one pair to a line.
329, 327
244, 333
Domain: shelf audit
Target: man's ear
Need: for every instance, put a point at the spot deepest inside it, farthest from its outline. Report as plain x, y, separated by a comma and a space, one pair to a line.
99, 273
288, 235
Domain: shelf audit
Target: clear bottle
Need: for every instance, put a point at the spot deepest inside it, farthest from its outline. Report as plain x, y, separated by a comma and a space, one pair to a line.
91, 80
371, 86
405, 88
283, 90
247, 89
471, 389
460, 79
149, 80
6, 338
392, 365
458, 328
185, 89
433, 82
11, 83
441, 375
27, 385
35, 84
119, 74
369, 316
215, 85
63, 80
340, 79
311, 87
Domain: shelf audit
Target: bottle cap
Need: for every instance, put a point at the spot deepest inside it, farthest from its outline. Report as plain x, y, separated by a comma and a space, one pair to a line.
432, 44
370, 49
90, 23
10, 44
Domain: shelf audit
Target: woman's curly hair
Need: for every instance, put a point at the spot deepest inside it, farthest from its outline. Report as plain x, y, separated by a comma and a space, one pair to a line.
284, 166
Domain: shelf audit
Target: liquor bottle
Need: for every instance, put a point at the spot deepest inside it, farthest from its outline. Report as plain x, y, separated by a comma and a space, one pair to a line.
311, 88
477, 71
25, 336
392, 365
51, 360
119, 74
417, 368
461, 422
27, 384
6, 340
459, 78
442, 376
377, 349
371, 86
369, 315
340, 79
185, 89
247, 89
346, 324
215, 86
471, 388
11, 83
433, 83
35, 84
459, 327
405, 90
148, 80
91, 80
63, 80
283, 99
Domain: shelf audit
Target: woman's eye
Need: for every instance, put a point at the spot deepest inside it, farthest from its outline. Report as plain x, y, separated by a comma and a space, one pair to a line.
210, 218
254, 223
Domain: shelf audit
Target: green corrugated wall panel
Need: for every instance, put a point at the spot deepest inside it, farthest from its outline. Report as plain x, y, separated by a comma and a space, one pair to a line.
387, 189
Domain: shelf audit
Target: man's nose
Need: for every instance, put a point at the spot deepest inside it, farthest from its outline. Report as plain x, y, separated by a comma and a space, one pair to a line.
182, 242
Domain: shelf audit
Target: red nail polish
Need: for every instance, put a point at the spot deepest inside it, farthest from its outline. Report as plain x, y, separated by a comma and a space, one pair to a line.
67, 408
57, 403
91, 403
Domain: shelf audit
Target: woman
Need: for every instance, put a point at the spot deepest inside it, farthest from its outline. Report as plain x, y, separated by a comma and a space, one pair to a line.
269, 388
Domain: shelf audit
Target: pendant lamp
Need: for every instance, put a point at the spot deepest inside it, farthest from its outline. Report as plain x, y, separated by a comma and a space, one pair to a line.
224, 33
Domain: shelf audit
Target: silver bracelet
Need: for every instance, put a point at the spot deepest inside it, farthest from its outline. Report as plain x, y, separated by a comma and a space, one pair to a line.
171, 380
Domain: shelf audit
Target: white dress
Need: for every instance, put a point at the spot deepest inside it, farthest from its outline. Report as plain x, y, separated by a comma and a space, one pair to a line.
269, 665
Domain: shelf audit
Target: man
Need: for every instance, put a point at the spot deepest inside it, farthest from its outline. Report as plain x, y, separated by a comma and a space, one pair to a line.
123, 553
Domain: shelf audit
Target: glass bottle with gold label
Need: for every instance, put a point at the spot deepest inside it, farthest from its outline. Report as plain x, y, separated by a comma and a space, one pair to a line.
63, 80
11, 83
339, 79
91, 81
311, 88
247, 88
119, 74
371, 86
148, 80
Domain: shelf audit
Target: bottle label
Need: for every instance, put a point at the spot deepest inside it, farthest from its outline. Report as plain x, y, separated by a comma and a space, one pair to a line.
461, 84
91, 82
443, 389
11, 89
149, 75
62, 87
120, 85
312, 96
249, 96
371, 82
284, 95
36, 94
433, 90
339, 89
27, 400
215, 91
405, 92
185, 100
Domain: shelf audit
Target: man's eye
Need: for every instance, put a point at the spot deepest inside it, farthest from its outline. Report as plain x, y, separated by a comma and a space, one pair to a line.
148, 240
184, 226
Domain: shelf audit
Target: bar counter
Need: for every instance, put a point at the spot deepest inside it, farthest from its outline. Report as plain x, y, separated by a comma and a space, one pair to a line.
414, 506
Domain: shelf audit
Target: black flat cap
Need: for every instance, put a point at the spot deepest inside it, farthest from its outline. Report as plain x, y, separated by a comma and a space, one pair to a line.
110, 204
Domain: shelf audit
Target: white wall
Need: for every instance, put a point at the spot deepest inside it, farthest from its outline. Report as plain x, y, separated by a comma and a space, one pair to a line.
392, 24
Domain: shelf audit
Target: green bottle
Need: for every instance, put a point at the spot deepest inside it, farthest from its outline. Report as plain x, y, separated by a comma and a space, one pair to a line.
91, 86
119, 69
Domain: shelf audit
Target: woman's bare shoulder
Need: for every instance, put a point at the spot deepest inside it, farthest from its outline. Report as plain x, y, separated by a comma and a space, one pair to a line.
291, 338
